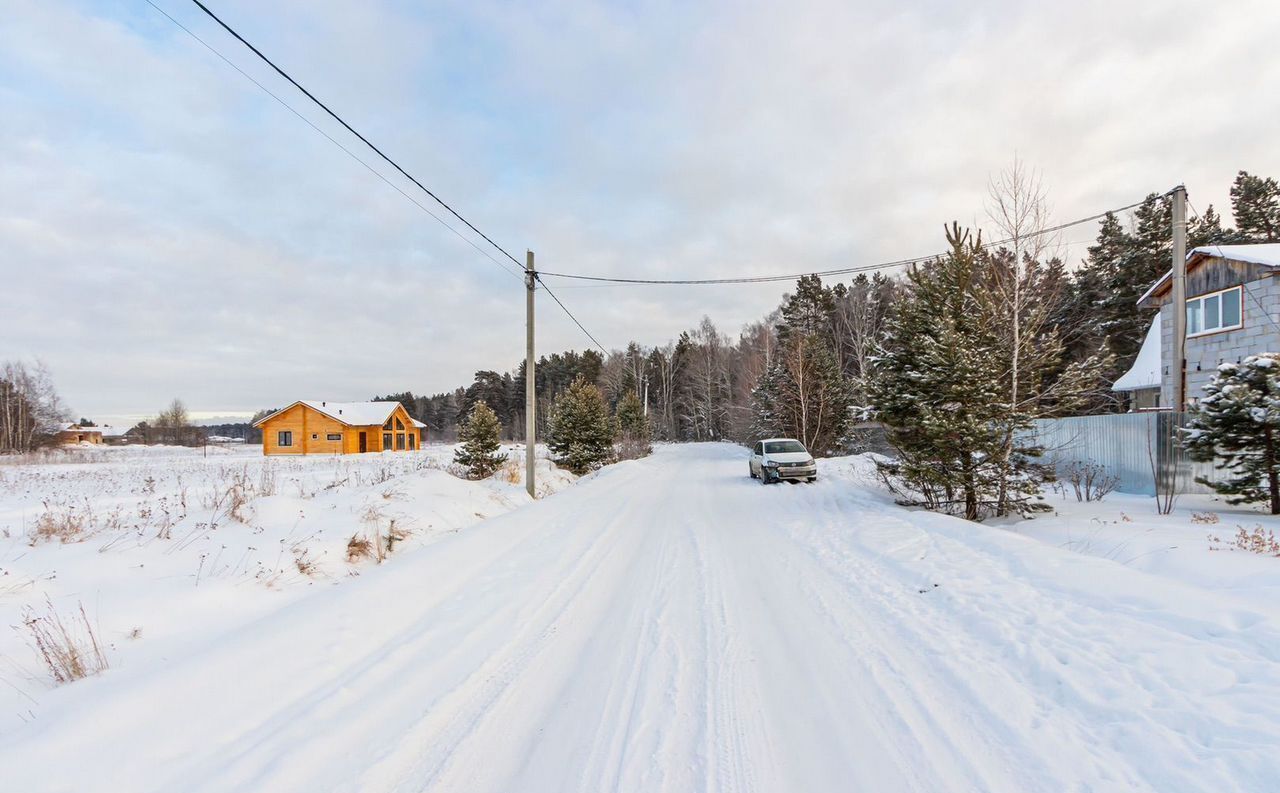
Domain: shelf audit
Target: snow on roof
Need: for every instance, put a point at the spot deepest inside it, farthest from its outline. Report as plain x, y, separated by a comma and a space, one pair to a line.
357, 414
1266, 254
1145, 372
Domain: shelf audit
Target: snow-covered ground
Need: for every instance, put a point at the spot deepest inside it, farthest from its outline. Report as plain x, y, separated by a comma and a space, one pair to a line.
162, 555
670, 625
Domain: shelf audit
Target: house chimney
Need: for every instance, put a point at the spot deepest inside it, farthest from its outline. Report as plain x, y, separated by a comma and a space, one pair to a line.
322, 404
339, 411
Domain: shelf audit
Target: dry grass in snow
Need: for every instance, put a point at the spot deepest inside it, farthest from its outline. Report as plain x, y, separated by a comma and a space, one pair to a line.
69, 647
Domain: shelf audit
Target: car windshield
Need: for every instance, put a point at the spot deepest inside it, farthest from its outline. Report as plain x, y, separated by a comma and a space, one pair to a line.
783, 447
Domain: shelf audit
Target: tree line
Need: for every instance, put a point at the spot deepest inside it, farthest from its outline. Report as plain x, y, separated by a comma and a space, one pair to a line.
798, 370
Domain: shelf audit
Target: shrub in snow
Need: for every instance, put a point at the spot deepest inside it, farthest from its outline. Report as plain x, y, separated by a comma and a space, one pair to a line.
1090, 480
581, 433
1257, 541
1237, 424
480, 452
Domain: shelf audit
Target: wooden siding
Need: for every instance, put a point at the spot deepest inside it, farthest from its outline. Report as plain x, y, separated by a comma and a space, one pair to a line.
311, 429
1207, 274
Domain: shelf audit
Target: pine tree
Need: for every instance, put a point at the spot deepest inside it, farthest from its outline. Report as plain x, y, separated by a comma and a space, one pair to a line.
940, 389
480, 452
1255, 202
1238, 422
581, 432
633, 428
809, 311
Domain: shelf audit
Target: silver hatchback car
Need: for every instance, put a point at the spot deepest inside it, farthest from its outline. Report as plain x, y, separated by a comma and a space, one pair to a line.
775, 459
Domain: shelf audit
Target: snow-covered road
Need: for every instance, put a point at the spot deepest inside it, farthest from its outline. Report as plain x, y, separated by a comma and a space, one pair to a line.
671, 625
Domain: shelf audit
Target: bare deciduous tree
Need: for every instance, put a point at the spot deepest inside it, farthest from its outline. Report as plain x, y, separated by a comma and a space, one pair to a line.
30, 410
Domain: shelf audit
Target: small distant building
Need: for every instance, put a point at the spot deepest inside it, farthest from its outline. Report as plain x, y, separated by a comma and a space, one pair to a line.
311, 427
1233, 299
73, 434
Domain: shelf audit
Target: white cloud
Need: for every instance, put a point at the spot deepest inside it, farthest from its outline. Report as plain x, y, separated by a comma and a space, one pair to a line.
169, 230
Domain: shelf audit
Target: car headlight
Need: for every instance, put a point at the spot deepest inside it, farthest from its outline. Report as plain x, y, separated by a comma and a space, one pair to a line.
770, 464
810, 462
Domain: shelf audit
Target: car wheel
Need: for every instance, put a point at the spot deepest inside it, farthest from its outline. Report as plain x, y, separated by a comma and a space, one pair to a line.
751, 472
813, 479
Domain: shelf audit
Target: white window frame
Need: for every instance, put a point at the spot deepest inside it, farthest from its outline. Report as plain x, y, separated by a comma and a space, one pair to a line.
1220, 328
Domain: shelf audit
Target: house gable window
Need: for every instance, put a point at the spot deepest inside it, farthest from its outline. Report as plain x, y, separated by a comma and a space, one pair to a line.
284, 438
1214, 312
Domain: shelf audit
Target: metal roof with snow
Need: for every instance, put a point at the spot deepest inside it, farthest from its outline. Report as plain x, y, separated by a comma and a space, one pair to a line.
354, 414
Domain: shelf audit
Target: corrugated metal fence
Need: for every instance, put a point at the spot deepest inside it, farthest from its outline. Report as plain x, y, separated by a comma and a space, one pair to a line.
1136, 447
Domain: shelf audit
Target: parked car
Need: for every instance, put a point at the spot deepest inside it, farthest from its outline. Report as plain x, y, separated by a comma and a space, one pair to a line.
775, 459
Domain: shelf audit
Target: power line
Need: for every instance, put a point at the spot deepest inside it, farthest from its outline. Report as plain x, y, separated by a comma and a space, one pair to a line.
366, 165
563, 308
761, 279
334, 141
353, 131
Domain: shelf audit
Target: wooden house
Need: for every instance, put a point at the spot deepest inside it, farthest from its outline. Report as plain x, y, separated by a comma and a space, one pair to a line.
310, 427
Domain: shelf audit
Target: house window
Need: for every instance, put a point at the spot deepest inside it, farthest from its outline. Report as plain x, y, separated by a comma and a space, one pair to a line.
334, 436
399, 423
400, 440
1214, 312
387, 426
315, 436
284, 438
386, 440
410, 443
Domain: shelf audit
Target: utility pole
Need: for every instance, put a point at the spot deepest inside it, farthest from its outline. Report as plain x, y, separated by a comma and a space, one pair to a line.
1179, 299
530, 404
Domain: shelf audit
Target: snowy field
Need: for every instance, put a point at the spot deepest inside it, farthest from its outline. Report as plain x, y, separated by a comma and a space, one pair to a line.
664, 625
168, 546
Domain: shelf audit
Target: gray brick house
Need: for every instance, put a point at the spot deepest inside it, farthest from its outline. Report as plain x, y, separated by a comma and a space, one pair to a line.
1233, 310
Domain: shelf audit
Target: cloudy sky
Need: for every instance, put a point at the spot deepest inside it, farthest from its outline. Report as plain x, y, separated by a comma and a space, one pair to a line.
168, 229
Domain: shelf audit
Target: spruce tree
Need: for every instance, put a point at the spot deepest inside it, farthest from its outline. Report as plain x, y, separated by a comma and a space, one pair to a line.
1255, 202
1238, 423
633, 427
480, 452
581, 433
